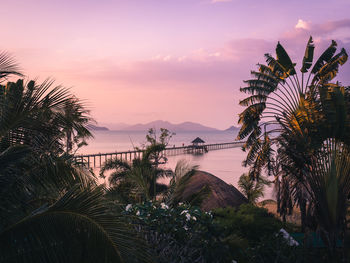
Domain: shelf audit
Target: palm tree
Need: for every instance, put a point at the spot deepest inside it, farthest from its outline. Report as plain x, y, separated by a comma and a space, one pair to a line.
76, 120
78, 227
30, 111
51, 210
8, 66
137, 180
252, 189
180, 181
298, 116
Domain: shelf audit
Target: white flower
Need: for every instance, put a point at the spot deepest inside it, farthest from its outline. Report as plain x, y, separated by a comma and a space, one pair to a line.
164, 206
183, 212
188, 216
128, 207
138, 213
181, 203
209, 213
194, 218
186, 228
291, 241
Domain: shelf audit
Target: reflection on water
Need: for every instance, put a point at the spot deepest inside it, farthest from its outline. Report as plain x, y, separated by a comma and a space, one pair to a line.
225, 164
111, 141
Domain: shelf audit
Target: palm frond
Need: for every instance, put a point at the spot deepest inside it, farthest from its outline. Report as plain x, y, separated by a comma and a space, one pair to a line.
182, 175
77, 228
8, 66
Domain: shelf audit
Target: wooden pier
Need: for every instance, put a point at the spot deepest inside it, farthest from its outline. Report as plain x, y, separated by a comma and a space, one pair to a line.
97, 160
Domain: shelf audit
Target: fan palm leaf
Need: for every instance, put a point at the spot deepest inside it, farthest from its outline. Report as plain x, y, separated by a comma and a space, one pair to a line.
296, 117
277, 96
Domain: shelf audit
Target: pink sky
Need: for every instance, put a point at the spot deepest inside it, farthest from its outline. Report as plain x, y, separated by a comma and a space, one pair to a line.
175, 60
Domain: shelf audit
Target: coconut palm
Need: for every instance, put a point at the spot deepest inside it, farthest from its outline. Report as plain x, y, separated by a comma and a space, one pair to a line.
297, 115
76, 121
8, 66
179, 182
50, 209
252, 189
30, 111
78, 227
137, 180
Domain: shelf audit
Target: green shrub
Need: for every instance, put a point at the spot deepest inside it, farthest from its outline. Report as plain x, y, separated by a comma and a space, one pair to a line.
187, 234
259, 231
248, 221
181, 234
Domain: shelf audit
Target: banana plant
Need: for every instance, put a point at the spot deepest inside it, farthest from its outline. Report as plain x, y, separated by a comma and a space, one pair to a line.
277, 96
291, 117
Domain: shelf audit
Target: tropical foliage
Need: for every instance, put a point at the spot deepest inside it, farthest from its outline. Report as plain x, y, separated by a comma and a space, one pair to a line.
253, 189
302, 122
50, 209
180, 180
179, 234
136, 181
184, 233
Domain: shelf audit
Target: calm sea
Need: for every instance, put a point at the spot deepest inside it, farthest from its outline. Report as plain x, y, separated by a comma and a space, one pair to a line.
225, 164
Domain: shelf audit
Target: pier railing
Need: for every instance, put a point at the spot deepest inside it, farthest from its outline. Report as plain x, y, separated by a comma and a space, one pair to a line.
97, 160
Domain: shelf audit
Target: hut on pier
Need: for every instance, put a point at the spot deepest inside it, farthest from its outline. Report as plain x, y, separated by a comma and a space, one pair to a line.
198, 142
197, 147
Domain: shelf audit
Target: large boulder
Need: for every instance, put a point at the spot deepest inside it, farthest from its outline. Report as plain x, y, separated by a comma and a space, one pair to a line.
222, 194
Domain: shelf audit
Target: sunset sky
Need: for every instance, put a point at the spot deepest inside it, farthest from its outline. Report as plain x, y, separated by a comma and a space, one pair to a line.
177, 60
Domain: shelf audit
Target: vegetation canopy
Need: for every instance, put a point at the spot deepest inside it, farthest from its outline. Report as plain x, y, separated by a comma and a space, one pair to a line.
296, 127
51, 209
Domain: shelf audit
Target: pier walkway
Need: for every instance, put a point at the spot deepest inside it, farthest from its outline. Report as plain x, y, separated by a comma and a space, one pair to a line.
97, 160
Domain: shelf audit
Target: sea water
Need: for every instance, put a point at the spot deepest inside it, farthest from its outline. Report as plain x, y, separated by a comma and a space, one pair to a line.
224, 163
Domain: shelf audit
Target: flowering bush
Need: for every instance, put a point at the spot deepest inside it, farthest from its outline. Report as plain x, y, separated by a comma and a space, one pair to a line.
179, 234
187, 234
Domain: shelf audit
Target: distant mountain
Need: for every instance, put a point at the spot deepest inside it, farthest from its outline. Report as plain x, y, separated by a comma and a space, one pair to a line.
185, 126
97, 128
115, 126
233, 128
